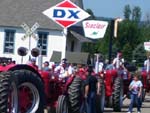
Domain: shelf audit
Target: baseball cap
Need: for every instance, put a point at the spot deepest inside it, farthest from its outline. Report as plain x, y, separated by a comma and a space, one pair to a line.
46, 62
64, 60
33, 60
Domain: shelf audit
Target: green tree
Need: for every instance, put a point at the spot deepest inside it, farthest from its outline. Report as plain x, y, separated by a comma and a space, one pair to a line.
136, 14
127, 12
146, 28
129, 36
91, 13
131, 33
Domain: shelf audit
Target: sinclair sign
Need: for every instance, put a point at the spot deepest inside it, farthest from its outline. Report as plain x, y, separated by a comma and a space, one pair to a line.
66, 13
94, 29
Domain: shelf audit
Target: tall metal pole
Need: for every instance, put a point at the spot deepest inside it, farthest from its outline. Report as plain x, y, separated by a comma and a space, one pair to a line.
40, 58
29, 47
110, 40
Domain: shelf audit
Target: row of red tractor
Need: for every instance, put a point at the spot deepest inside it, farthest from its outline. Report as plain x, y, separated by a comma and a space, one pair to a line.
25, 90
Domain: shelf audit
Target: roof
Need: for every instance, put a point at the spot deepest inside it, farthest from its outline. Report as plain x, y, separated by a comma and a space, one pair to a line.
15, 12
78, 33
80, 37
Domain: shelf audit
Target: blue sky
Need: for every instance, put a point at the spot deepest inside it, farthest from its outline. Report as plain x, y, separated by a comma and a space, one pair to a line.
114, 8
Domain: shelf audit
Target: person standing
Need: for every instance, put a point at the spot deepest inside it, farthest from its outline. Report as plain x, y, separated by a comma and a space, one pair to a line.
118, 64
46, 66
118, 61
32, 63
61, 69
135, 89
91, 90
147, 64
70, 69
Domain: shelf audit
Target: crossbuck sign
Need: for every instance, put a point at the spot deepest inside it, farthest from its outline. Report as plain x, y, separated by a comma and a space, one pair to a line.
66, 13
30, 31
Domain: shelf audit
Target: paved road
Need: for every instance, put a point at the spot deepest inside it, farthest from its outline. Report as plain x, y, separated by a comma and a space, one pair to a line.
145, 107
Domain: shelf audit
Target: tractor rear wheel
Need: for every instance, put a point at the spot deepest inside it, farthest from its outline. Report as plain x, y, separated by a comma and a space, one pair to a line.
143, 94
75, 95
8, 93
62, 106
100, 100
23, 91
118, 94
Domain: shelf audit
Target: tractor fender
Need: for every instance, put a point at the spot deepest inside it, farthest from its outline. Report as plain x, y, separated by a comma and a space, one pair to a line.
144, 78
108, 82
23, 67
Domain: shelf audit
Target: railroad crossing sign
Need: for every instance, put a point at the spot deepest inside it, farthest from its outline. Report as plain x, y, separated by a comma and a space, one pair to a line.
30, 31
66, 13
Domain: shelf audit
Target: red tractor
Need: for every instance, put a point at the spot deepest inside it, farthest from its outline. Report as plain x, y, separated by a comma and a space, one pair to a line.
146, 82
26, 90
116, 86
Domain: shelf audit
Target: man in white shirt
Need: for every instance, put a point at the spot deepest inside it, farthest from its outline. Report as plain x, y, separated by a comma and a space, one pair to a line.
61, 70
118, 61
118, 64
70, 69
147, 64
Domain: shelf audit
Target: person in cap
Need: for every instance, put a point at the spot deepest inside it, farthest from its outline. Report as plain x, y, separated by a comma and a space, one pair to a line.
46, 66
118, 64
118, 61
147, 64
33, 63
61, 69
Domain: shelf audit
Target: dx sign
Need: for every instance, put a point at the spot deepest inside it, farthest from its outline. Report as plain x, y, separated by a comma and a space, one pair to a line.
66, 13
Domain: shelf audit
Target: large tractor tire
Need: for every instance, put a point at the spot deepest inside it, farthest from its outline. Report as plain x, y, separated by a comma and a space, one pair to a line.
100, 99
4, 94
75, 95
143, 94
24, 92
148, 79
62, 106
118, 94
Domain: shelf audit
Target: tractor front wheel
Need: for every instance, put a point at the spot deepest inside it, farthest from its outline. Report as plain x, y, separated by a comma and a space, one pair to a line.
118, 94
62, 105
100, 100
75, 95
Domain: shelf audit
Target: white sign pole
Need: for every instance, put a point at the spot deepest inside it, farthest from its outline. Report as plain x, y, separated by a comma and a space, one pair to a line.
65, 36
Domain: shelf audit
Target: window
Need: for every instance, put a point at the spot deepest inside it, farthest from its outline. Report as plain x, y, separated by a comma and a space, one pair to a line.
42, 42
9, 41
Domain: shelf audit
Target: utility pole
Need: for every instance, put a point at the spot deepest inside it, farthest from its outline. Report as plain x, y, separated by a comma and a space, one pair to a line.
110, 40
113, 33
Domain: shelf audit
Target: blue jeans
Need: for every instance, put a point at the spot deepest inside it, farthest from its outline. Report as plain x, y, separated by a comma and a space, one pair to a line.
91, 102
135, 98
